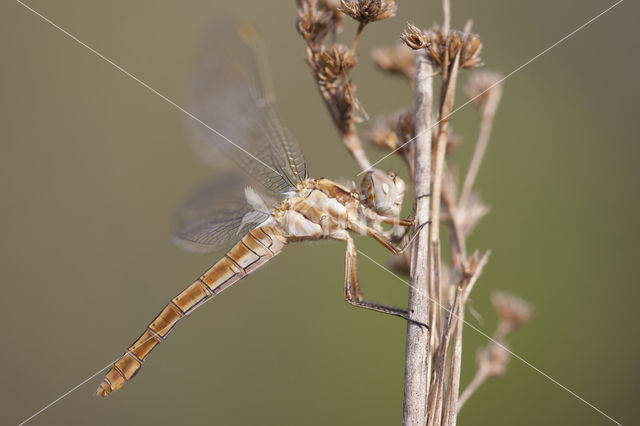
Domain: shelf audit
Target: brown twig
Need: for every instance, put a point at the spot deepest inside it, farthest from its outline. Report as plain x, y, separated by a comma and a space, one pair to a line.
417, 363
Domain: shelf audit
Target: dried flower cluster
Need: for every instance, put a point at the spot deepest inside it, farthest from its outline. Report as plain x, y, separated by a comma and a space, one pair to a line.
331, 67
448, 286
443, 47
332, 62
481, 85
512, 311
315, 20
397, 59
391, 132
366, 11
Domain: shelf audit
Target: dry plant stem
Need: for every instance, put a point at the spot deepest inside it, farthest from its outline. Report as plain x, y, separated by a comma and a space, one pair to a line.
356, 39
446, 15
437, 387
458, 240
480, 377
450, 416
488, 112
451, 404
417, 363
353, 144
441, 146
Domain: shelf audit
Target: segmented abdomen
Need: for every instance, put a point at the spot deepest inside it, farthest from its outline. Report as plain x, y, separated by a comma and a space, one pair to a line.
253, 251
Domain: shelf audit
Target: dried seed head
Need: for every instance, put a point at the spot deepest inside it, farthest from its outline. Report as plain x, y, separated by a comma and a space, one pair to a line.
393, 131
414, 37
493, 360
397, 59
453, 43
334, 7
366, 11
331, 66
331, 63
512, 311
481, 84
315, 20
382, 135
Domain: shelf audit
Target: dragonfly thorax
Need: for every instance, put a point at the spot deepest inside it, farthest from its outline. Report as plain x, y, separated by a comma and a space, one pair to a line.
319, 209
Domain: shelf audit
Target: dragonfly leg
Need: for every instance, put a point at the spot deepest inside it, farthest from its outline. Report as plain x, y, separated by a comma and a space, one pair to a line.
353, 295
401, 221
385, 240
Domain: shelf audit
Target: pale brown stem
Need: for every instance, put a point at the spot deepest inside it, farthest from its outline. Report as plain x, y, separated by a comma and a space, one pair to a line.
446, 15
480, 377
353, 144
458, 239
437, 389
417, 365
441, 146
488, 112
356, 39
451, 404
449, 416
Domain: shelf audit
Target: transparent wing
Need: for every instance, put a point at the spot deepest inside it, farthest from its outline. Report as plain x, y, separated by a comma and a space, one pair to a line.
231, 94
216, 215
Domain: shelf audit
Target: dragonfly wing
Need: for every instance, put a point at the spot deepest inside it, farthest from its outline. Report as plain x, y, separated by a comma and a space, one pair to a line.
231, 94
218, 214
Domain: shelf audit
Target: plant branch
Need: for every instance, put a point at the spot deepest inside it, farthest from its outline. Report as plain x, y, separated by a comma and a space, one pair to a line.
434, 234
417, 365
352, 142
488, 112
446, 16
480, 377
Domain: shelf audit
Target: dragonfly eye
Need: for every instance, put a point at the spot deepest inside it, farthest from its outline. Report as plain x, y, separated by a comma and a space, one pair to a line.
382, 192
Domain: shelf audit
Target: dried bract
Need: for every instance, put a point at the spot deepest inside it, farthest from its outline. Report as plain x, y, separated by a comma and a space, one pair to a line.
366, 11
414, 37
481, 84
471, 48
397, 59
436, 41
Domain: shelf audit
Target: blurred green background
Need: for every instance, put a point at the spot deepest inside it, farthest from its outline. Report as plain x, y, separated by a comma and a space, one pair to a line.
92, 165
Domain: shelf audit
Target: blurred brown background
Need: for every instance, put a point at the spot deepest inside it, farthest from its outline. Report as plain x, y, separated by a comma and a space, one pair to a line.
92, 165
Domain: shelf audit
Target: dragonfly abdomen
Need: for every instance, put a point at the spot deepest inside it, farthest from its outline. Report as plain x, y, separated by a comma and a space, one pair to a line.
251, 252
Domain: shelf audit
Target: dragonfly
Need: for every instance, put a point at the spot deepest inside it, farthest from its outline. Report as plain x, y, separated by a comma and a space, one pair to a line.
281, 204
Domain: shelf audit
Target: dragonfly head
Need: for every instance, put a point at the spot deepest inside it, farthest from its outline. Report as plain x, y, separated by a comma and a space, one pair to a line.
382, 192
